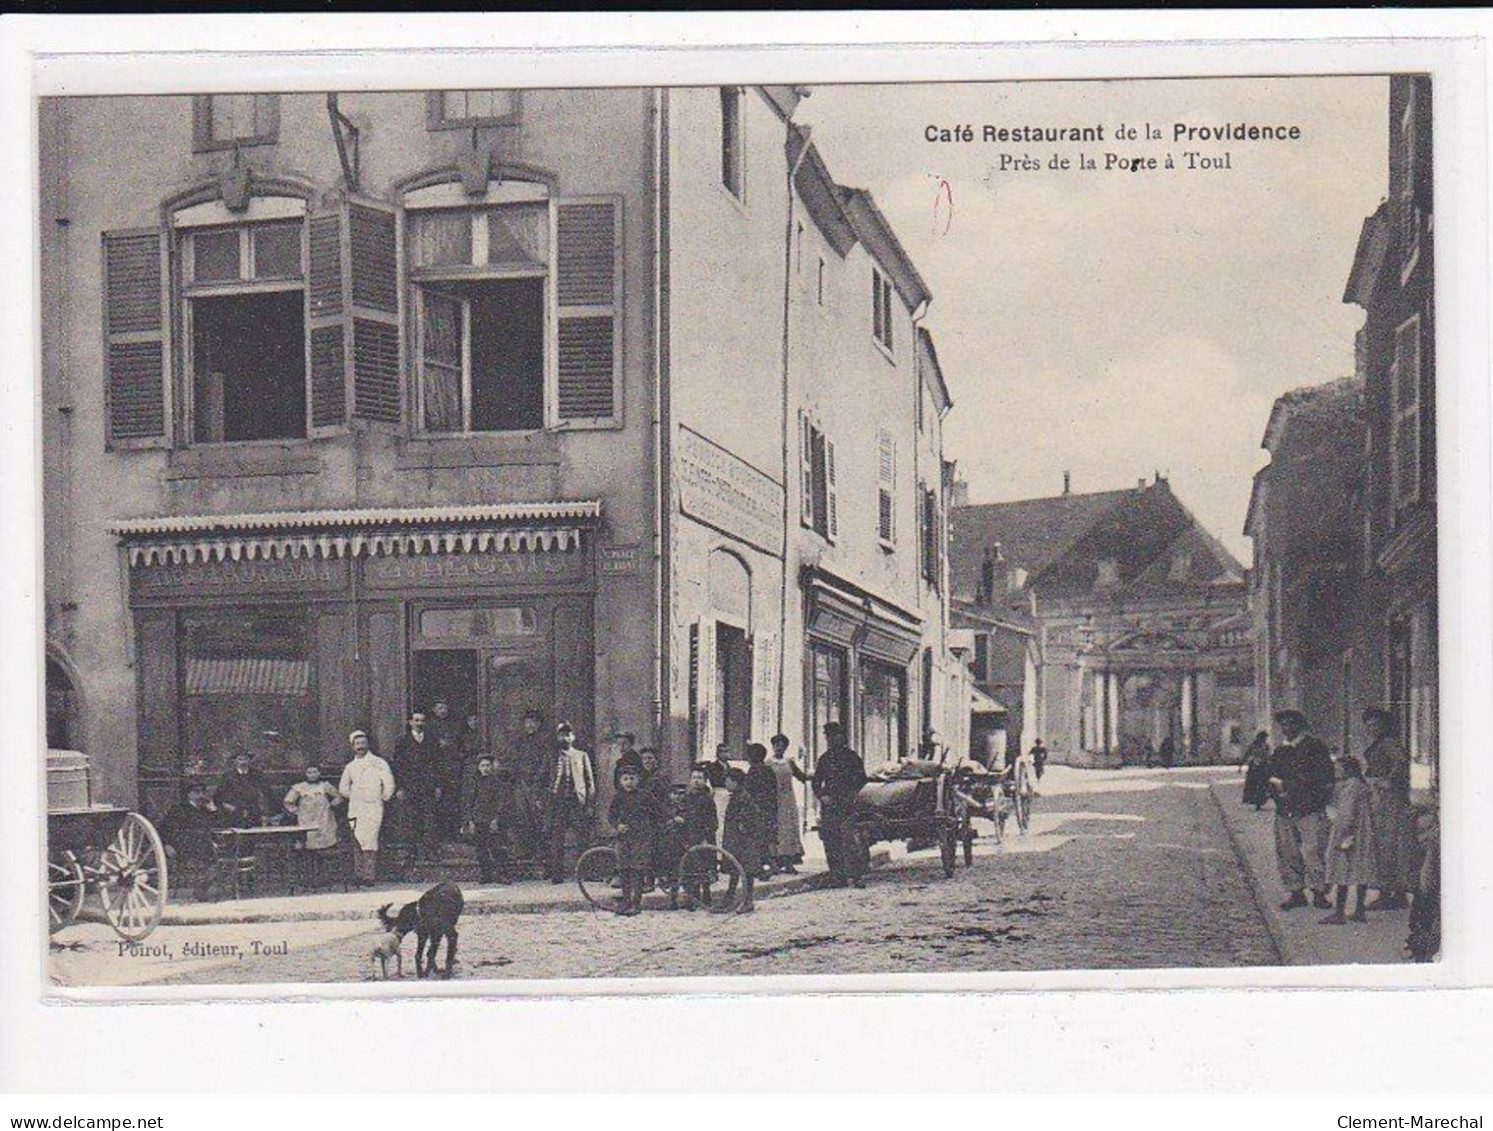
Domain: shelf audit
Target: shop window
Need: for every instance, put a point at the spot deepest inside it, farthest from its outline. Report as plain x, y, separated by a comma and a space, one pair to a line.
232, 121
248, 685
478, 624
466, 109
819, 496
244, 304
883, 713
733, 151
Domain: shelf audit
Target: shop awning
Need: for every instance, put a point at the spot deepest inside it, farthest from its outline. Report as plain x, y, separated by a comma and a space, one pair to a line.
247, 675
377, 532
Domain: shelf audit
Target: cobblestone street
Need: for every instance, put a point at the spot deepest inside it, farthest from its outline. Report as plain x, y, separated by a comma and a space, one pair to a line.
1120, 870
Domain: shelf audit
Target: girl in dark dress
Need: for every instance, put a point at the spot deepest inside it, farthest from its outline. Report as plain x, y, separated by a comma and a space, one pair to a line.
701, 825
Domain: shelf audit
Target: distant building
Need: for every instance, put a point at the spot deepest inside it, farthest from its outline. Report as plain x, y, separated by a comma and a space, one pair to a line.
1139, 620
1303, 584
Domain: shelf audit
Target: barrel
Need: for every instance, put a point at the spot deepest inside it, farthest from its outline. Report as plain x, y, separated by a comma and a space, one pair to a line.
67, 780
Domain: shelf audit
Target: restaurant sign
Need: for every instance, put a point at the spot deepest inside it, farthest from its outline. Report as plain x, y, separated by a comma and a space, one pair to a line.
308, 575
458, 570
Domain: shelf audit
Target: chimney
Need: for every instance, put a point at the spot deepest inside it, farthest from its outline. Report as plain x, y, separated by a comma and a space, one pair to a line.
1067, 482
959, 494
1140, 484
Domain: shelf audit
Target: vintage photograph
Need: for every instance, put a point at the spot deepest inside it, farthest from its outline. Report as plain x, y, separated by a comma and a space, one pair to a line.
652, 532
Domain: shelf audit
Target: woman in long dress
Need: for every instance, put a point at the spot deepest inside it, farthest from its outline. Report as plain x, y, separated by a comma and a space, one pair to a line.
1387, 771
788, 848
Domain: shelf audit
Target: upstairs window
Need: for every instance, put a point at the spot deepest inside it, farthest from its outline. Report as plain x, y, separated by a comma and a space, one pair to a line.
243, 310
733, 152
819, 285
979, 667
886, 487
471, 109
515, 309
1404, 435
881, 309
232, 121
819, 502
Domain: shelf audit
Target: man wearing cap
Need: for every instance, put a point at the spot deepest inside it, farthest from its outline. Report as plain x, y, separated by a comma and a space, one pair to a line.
570, 793
837, 780
242, 792
368, 785
1301, 782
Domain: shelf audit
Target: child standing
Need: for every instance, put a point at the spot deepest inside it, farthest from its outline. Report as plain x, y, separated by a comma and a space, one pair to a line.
637, 817
701, 824
312, 801
1350, 843
745, 834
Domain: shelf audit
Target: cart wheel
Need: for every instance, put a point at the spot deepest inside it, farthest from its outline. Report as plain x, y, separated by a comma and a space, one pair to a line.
715, 867
1023, 798
598, 874
65, 889
132, 878
948, 849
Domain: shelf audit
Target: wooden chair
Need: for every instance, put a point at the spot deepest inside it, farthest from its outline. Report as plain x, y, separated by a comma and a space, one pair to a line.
230, 867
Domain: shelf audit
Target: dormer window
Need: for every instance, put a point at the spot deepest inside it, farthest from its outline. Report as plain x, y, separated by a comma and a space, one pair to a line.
471, 109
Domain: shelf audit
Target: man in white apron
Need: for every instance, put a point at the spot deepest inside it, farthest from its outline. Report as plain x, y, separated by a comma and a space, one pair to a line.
368, 784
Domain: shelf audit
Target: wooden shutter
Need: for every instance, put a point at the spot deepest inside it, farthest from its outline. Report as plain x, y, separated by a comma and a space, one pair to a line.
372, 295
134, 339
702, 679
588, 289
326, 321
806, 477
158, 690
831, 493
886, 478
765, 680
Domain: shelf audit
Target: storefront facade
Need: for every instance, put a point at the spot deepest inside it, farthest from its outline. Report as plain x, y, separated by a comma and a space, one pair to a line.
277, 635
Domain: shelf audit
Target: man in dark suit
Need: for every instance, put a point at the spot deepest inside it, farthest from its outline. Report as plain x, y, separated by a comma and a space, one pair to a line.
1301, 782
417, 775
242, 792
837, 780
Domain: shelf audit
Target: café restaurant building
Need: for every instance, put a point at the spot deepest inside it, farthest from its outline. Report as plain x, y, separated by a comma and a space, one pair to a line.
512, 398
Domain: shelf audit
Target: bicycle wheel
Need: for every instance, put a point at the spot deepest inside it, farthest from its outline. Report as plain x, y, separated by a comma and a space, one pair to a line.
1023, 798
715, 872
596, 873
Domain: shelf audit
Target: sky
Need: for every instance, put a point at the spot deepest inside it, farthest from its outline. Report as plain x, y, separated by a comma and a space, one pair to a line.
1115, 324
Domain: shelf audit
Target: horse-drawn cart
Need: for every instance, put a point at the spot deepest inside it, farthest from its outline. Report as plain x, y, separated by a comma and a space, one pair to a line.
928, 802
104, 850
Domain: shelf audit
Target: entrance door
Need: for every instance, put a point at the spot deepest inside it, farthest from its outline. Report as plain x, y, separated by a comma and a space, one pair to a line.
828, 705
450, 674
883, 713
518, 679
733, 687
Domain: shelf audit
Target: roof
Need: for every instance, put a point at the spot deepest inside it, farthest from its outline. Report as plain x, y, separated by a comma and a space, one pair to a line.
876, 233
983, 703
820, 194
1061, 540
1330, 397
1033, 533
1368, 257
932, 371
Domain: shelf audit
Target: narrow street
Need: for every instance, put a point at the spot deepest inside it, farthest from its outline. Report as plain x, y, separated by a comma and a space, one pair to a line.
1121, 869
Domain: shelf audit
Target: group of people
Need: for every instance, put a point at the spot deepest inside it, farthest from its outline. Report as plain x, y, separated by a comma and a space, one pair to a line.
1344, 823
532, 801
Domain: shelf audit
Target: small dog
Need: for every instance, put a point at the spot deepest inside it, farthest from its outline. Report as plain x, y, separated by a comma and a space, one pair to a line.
385, 948
432, 917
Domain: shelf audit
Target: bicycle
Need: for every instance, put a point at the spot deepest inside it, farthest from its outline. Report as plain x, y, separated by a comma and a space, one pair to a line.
700, 866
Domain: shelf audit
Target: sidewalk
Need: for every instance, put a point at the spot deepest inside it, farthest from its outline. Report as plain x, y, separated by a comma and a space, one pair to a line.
1300, 937
528, 897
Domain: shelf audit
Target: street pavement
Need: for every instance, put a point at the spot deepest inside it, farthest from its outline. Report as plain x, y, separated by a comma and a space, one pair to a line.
1121, 869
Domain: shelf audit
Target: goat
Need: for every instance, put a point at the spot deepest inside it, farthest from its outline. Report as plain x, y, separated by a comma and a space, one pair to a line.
385, 948
432, 917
